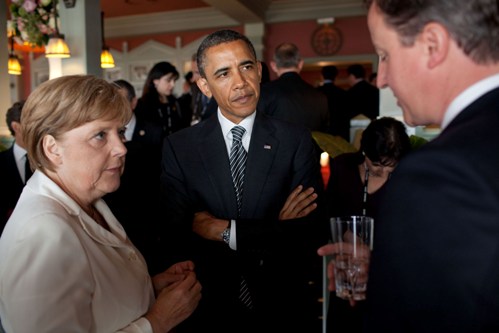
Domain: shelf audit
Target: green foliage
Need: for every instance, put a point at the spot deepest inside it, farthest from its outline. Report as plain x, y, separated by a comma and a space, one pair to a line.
417, 141
332, 144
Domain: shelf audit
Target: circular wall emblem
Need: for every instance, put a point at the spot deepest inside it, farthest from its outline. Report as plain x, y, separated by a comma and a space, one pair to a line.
326, 40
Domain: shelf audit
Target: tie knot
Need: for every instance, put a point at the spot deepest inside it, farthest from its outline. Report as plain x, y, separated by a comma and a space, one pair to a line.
237, 133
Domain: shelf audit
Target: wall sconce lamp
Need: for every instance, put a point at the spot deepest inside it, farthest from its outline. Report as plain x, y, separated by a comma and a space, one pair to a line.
57, 47
13, 66
106, 58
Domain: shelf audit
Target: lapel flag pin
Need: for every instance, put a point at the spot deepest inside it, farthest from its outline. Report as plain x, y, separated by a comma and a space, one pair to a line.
267, 147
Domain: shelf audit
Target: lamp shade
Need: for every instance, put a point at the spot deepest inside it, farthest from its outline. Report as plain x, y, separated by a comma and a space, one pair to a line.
14, 66
106, 58
57, 47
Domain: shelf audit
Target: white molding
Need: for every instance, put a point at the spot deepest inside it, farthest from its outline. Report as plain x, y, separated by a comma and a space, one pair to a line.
210, 17
181, 20
297, 10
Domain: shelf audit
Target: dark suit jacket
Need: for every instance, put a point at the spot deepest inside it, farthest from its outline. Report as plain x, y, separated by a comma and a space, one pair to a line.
291, 98
278, 258
12, 185
147, 133
135, 202
436, 247
339, 118
363, 98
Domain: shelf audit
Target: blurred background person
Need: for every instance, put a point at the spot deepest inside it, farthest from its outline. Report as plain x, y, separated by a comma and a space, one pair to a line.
355, 188
202, 106
135, 202
373, 79
158, 104
14, 165
291, 98
66, 264
362, 97
339, 118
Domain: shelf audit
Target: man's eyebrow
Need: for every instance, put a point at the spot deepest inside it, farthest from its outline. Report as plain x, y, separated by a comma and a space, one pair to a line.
220, 70
242, 63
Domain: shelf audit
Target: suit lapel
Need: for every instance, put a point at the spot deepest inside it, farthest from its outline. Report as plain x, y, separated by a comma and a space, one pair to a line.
213, 152
261, 156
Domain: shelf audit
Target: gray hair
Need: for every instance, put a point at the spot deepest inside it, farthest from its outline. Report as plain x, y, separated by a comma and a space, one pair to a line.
473, 24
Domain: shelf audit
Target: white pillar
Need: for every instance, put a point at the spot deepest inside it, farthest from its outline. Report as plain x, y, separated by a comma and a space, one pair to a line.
82, 31
255, 33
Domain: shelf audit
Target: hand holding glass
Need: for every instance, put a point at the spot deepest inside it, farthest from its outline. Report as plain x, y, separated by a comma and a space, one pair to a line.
353, 236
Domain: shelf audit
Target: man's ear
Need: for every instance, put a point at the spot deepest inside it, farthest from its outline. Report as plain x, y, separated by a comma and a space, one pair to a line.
52, 149
16, 126
273, 65
204, 87
436, 43
300, 65
134, 102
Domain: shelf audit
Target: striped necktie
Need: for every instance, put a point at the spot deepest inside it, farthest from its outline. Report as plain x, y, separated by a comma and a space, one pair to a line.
237, 167
238, 163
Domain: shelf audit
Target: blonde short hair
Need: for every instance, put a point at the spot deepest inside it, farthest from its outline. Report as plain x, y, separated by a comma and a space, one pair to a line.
62, 104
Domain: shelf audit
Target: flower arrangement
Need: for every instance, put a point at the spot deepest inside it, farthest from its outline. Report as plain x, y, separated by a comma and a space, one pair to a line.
32, 21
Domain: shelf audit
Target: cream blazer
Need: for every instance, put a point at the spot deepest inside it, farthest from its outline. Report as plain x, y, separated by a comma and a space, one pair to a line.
62, 272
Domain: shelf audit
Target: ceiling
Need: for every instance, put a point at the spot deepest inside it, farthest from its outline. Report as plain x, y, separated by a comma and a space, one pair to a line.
139, 17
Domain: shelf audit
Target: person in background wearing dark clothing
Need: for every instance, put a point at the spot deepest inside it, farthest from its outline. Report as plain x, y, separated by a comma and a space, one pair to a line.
291, 98
233, 232
135, 202
14, 165
185, 100
434, 263
339, 118
355, 188
362, 97
372, 79
265, 73
157, 103
202, 106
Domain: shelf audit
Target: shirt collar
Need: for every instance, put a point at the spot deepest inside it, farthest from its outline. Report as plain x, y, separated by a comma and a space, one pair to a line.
468, 96
227, 125
130, 127
19, 152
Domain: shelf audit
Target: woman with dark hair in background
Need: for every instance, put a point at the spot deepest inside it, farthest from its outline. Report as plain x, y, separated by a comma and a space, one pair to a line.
158, 104
355, 188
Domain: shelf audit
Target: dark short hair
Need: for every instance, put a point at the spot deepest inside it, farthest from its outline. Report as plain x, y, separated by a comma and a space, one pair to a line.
385, 140
130, 90
357, 70
329, 72
217, 38
14, 114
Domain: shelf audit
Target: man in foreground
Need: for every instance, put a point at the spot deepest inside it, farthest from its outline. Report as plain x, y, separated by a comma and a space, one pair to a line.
434, 264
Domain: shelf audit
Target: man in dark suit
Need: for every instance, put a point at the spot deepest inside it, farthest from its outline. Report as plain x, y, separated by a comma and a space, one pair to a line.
339, 119
362, 97
434, 266
135, 202
258, 245
13, 167
291, 98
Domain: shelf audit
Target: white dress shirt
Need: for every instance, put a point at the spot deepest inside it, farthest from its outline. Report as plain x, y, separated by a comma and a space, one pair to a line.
60, 271
20, 156
227, 125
